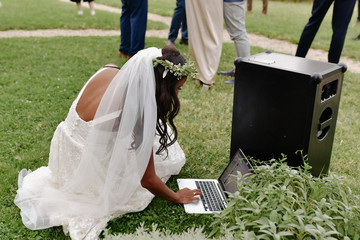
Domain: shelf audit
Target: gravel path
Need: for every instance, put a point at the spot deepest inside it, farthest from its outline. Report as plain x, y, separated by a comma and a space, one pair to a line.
255, 40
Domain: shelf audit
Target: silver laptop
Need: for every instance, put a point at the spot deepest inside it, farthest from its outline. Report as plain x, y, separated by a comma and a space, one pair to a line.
214, 192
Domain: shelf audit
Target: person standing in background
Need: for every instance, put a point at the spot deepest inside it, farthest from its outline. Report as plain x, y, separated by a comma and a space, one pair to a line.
265, 6
234, 15
342, 12
205, 27
178, 22
133, 22
79, 7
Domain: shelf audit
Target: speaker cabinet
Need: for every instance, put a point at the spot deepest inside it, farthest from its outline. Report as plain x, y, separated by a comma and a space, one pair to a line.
283, 104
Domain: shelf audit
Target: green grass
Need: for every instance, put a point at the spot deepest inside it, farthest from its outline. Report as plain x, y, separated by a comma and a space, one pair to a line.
40, 77
46, 14
112, 3
286, 20
161, 7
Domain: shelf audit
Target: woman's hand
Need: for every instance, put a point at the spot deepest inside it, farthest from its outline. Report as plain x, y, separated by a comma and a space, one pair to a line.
153, 183
187, 195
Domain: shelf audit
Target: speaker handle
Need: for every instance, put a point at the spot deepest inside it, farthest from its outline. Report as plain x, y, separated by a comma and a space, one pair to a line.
324, 124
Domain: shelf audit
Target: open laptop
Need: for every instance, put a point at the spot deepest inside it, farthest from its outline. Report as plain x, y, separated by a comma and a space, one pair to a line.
214, 191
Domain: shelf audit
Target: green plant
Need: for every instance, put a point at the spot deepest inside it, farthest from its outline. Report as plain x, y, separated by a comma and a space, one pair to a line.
280, 202
154, 233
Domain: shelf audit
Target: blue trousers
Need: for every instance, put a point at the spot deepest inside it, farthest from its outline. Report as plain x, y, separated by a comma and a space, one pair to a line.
342, 13
178, 21
133, 22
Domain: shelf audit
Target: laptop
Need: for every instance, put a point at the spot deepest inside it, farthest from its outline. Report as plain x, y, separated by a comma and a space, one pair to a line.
214, 192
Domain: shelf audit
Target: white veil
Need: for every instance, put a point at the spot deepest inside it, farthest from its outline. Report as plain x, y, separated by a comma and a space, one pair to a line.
120, 142
116, 153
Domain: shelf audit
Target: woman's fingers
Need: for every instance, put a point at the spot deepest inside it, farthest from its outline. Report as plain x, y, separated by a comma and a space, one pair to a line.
187, 195
197, 192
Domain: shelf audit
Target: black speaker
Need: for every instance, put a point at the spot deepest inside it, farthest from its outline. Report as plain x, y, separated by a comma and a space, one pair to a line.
283, 104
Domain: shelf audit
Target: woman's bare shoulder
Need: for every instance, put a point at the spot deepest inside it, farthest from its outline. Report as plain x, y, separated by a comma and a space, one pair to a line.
103, 78
110, 65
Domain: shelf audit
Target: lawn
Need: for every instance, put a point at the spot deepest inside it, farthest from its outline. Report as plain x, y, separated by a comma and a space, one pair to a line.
45, 14
286, 20
40, 77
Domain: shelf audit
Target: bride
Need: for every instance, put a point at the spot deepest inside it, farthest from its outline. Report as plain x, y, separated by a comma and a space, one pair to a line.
101, 162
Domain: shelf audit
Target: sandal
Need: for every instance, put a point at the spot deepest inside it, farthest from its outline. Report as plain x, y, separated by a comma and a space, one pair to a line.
205, 86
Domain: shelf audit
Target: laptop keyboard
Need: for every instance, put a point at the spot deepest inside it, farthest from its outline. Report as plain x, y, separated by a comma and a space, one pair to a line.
210, 198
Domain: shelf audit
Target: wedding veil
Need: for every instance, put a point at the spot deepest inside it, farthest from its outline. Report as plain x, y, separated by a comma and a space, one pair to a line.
116, 151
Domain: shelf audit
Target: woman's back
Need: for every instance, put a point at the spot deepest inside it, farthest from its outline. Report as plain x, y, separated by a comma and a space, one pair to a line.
94, 91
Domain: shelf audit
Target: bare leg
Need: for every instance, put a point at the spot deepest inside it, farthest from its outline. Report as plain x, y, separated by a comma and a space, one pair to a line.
265, 6
92, 9
249, 5
80, 12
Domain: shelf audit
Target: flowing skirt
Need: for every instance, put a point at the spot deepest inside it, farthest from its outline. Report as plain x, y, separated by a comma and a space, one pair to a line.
65, 153
205, 28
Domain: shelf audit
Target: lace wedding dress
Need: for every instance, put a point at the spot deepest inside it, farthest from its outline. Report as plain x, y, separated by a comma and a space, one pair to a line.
46, 199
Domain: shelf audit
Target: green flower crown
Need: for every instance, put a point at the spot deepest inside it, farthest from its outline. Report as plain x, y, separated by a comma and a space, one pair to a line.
187, 70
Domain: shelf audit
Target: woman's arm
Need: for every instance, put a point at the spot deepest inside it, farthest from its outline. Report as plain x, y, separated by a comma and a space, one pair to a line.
153, 183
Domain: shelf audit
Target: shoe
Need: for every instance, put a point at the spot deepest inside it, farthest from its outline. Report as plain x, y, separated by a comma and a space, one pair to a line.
170, 43
184, 41
205, 87
123, 55
230, 73
93, 13
230, 82
80, 12
357, 38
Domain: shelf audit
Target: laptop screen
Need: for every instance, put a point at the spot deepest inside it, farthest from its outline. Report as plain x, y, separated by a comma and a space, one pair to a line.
238, 163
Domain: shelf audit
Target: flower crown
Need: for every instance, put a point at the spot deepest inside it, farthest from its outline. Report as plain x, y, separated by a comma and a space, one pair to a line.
178, 70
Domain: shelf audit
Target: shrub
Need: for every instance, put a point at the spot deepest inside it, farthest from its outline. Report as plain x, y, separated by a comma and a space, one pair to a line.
156, 234
280, 202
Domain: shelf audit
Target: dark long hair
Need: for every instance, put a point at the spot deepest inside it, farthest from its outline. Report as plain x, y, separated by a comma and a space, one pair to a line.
168, 104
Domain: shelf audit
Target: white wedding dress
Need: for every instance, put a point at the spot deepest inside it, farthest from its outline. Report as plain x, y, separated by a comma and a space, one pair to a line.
65, 155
